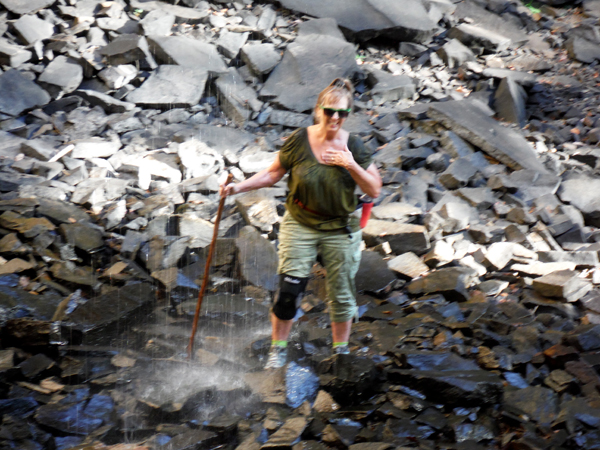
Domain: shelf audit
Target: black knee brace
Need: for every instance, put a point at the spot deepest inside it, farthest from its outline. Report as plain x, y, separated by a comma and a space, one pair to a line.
288, 296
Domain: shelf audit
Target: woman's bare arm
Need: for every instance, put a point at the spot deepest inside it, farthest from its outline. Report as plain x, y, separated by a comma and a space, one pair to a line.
265, 178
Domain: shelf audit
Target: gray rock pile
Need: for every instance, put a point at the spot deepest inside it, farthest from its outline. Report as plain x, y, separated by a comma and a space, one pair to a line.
480, 296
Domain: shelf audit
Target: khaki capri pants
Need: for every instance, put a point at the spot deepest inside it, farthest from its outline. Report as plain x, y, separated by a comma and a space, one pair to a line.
340, 252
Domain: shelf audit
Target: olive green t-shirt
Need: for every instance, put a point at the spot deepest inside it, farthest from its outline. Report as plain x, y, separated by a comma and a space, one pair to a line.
325, 192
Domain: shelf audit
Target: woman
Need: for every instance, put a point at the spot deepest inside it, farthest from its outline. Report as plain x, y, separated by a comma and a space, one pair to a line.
325, 164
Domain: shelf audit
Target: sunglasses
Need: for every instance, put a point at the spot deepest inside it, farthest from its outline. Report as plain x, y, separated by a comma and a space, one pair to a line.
342, 113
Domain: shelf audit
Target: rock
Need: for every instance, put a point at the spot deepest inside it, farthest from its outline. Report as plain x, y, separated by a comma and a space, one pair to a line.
452, 282
19, 94
307, 67
324, 403
31, 29
562, 284
99, 318
521, 78
458, 174
230, 43
530, 184
373, 275
509, 102
363, 18
387, 87
347, 378
258, 210
582, 50
402, 212
189, 53
261, 58
401, 237
13, 55
237, 100
481, 198
455, 54
95, 148
157, 23
408, 265
290, 119
504, 144
20, 8
301, 385
199, 160
456, 387
539, 403
181, 13
287, 435
38, 149
170, 87
441, 253
115, 77
109, 104
221, 139
128, 48
258, 259
474, 36
577, 189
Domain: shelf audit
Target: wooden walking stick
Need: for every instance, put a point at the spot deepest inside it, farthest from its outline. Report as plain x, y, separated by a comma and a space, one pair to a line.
211, 250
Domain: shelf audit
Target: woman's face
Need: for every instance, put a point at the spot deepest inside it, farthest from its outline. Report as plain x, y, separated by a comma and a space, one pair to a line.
335, 122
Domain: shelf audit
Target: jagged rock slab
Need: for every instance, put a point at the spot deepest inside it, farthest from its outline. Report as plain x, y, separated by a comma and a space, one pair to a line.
539, 403
457, 387
32, 29
408, 265
171, 86
452, 282
373, 274
220, 139
109, 104
562, 284
183, 14
485, 19
580, 191
187, 52
26, 7
509, 102
258, 210
308, 65
401, 237
258, 259
473, 36
97, 319
388, 87
366, 19
237, 99
502, 143
13, 55
19, 94
261, 58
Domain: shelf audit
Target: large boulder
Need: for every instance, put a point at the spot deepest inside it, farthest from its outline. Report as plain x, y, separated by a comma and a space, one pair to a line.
401, 20
309, 64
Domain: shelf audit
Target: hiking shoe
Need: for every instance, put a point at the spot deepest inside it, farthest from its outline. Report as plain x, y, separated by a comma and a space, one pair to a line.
277, 357
341, 350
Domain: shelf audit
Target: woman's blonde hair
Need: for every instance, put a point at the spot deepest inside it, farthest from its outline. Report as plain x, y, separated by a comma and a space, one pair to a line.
338, 89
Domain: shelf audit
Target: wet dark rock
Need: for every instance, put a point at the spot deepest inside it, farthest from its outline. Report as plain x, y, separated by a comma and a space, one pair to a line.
103, 315
415, 26
18, 407
191, 439
452, 282
347, 378
287, 435
539, 403
67, 418
37, 367
373, 274
82, 236
301, 385
504, 144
